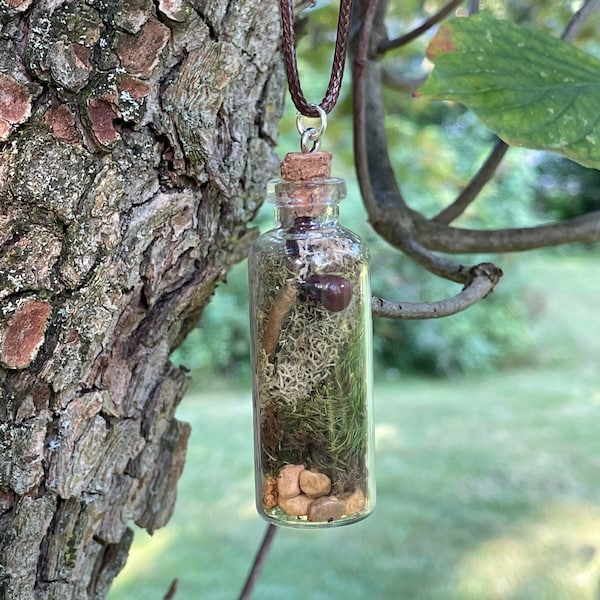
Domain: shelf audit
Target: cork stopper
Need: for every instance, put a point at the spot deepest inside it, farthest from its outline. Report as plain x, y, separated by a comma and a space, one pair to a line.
299, 166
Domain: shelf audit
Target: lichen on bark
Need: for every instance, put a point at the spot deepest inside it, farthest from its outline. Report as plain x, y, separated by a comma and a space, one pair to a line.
135, 141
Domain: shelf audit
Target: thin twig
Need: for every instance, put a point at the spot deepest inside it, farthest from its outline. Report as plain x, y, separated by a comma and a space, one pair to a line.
477, 183
485, 276
172, 590
387, 45
359, 114
258, 563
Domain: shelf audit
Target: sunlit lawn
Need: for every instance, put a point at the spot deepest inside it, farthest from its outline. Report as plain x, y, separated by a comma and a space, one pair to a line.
487, 487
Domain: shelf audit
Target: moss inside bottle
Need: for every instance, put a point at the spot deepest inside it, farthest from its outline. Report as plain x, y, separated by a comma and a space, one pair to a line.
310, 305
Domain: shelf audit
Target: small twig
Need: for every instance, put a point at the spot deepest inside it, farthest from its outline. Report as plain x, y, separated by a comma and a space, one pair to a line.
360, 67
437, 265
387, 45
258, 563
277, 313
477, 183
485, 276
172, 590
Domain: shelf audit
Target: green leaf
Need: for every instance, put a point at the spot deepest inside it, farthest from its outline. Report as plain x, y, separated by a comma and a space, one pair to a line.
528, 87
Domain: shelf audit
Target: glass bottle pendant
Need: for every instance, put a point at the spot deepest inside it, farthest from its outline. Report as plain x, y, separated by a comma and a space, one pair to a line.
310, 307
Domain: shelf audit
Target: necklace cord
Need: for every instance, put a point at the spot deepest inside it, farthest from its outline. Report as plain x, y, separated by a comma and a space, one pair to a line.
291, 64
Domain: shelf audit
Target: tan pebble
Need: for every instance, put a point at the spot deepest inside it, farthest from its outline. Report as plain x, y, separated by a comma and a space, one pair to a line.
326, 509
288, 485
356, 502
297, 506
314, 484
270, 493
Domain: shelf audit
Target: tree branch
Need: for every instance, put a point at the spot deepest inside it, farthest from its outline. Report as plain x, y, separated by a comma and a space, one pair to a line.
409, 230
484, 278
387, 45
379, 188
440, 238
382, 196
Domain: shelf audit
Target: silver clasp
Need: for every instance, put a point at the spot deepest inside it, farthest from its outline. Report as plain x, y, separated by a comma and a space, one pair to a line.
311, 134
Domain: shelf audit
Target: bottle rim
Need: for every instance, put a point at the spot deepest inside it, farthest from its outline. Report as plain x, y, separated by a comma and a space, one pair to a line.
317, 191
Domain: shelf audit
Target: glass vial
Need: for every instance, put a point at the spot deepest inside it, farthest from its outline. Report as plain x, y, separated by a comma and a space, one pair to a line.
310, 307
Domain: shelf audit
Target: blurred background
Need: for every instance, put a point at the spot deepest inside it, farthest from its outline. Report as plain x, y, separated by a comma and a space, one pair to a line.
488, 454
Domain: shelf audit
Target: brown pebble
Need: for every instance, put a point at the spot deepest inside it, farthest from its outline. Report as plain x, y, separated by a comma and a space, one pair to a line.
314, 484
288, 485
270, 493
356, 502
297, 506
326, 509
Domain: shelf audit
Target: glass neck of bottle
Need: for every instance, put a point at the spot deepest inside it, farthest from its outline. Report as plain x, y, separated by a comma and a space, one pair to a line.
306, 218
306, 205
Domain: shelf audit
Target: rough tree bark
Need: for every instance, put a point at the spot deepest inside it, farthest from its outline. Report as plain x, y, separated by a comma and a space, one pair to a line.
135, 141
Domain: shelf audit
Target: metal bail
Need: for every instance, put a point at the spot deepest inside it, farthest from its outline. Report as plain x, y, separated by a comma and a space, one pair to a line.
311, 134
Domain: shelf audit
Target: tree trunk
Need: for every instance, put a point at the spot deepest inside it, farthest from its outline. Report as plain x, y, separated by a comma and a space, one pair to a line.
135, 142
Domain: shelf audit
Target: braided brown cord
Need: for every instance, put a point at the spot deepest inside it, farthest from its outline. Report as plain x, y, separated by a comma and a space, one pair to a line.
337, 67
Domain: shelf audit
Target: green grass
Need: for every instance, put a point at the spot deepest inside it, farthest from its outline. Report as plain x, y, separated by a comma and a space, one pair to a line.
488, 487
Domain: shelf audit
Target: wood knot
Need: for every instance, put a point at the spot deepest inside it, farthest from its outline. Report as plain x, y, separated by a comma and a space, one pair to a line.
488, 270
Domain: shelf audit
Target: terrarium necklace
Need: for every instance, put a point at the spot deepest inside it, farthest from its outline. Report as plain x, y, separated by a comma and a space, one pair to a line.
310, 307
